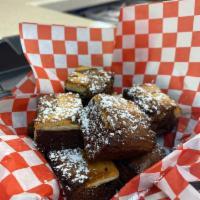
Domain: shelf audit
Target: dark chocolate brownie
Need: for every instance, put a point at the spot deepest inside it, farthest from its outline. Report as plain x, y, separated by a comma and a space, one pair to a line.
55, 125
114, 128
89, 81
161, 109
82, 180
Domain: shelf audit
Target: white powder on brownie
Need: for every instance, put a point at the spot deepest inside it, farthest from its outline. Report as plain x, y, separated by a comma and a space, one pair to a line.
150, 101
108, 117
55, 107
70, 164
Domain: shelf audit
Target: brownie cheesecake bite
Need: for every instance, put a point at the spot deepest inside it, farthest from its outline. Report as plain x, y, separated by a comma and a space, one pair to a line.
114, 128
81, 179
55, 126
132, 167
89, 81
161, 109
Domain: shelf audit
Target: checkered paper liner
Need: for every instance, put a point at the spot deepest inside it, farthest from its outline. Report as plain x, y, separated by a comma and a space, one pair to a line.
54, 51
24, 174
153, 43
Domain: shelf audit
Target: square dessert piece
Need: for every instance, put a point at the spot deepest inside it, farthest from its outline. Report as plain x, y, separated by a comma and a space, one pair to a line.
114, 128
132, 167
89, 81
161, 109
81, 179
55, 126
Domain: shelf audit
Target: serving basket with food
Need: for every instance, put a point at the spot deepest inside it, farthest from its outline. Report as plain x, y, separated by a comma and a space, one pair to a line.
106, 113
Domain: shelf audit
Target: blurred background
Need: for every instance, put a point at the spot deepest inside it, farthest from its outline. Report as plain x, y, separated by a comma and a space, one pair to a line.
95, 13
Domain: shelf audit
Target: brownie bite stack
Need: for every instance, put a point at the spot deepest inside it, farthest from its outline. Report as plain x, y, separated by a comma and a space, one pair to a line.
96, 141
55, 126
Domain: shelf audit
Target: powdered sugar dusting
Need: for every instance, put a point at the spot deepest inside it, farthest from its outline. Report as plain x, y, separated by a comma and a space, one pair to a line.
70, 164
150, 102
55, 107
95, 79
109, 117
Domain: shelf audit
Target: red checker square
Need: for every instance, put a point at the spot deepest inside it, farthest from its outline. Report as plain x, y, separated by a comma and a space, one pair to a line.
186, 159
59, 47
194, 69
108, 69
176, 82
18, 145
155, 54
21, 131
195, 39
14, 162
127, 80
72, 61
7, 183
71, 33
118, 90
82, 48
195, 116
31, 115
118, 42
62, 74
176, 182
108, 47
185, 24
43, 173
195, 170
155, 25
116, 67
169, 140
47, 61
128, 27
197, 8
97, 60
44, 32
140, 68
6, 130
165, 68
182, 124
57, 86
149, 78
170, 9
169, 39
128, 55
187, 97
31, 46
27, 87
41, 73
141, 41
182, 54
95, 34
7, 118
141, 12
20, 104
43, 190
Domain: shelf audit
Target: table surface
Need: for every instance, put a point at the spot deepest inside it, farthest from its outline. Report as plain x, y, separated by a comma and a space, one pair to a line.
12, 12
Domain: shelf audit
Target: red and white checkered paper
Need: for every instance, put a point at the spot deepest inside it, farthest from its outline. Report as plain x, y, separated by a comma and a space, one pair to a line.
54, 51
153, 43
24, 173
